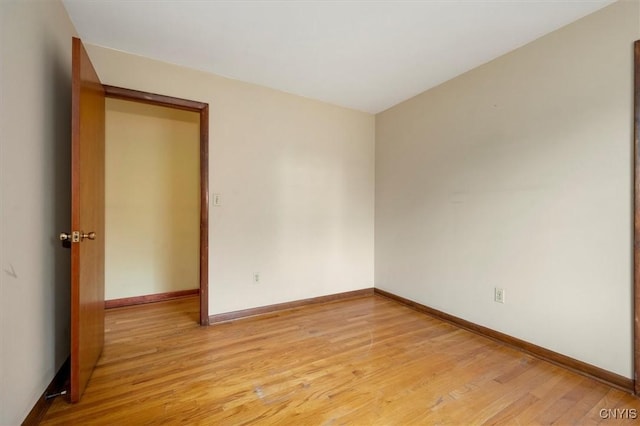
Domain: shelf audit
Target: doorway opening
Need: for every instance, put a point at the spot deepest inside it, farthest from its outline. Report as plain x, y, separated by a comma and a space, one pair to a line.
168, 241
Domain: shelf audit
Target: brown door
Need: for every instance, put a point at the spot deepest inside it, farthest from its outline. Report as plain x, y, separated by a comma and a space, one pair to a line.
87, 219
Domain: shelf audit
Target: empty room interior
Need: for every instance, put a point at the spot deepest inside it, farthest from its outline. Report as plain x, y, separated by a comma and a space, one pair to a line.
350, 212
151, 189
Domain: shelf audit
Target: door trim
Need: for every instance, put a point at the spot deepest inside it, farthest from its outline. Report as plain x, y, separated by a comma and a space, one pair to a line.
202, 109
150, 298
636, 218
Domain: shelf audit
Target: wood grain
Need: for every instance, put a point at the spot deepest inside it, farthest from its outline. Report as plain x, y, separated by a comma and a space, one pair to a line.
363, 361
87, 215
153, 98
149, 298
204, 214
203, 110
270, 309
572, 364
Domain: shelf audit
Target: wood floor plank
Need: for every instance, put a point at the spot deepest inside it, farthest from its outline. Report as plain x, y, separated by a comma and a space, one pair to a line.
364, 361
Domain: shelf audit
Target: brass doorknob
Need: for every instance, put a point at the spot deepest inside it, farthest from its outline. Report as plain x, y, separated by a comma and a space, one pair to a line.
90, 235
76, 236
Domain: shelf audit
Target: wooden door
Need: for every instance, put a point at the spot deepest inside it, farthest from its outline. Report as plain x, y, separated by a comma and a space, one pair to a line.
87, 219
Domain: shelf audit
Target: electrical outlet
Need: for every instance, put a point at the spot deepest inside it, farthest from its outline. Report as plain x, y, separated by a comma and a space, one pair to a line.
256, 277
217, 200
498, 295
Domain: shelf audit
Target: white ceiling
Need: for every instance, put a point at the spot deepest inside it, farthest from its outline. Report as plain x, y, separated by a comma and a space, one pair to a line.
367, 55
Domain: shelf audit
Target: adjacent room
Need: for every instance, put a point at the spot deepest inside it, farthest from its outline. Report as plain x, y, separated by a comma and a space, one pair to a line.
312, 212
151, 202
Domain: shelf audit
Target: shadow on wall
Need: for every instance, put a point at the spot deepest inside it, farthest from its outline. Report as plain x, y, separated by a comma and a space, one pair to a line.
58, 183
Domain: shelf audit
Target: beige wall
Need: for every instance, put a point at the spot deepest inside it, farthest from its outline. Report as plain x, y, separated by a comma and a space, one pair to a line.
152, 199
35, 94
518, 175
296, 182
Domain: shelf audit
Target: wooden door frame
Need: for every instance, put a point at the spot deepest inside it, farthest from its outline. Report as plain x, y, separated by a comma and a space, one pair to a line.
202, 109
636, 217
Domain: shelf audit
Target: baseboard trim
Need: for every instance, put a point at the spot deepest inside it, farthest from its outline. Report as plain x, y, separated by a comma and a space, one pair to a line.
580, 367
270, 309
150, 298
41, 406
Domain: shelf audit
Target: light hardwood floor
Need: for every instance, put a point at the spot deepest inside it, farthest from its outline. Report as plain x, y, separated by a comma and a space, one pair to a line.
367, 361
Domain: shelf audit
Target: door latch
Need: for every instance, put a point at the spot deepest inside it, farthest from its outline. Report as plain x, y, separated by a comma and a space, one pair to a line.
75, 237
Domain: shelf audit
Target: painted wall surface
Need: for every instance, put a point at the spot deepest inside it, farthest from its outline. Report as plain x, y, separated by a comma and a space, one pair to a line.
518, 175
35, 105
152, 199
295, 179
